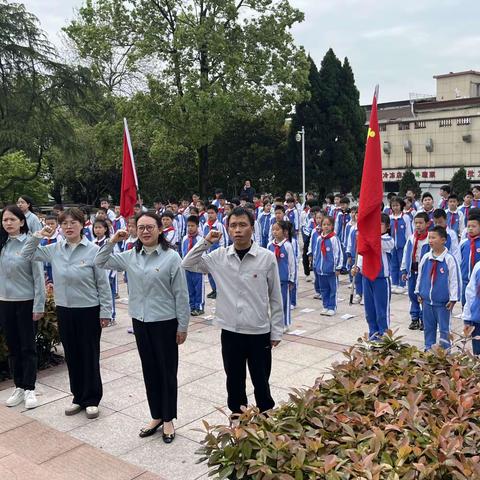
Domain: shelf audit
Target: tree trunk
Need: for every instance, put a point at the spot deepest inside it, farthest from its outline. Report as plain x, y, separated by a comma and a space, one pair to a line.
203, 171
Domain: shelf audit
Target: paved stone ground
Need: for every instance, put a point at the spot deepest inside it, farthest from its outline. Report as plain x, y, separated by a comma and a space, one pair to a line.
306, 353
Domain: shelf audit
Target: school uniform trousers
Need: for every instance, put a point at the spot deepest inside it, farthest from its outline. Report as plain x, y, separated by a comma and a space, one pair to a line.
436, 316
238, 351
158, 350
397, 255
287, 318
20, 331
415, 308
195, 290
80, 332
376, 296
328, 289
305, 259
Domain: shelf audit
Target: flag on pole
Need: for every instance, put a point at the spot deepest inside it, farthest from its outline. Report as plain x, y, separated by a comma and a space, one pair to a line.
128, 193
371, 196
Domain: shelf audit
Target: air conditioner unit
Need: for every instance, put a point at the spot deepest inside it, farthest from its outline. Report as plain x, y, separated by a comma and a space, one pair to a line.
387, 147
467, 138
429, 145
407, 146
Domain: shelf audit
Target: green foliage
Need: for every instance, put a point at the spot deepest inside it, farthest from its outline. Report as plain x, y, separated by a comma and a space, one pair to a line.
409, 182
17, 165
459, 183
390, 411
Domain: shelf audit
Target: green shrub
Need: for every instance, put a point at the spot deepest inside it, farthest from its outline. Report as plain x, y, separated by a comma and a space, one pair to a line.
390, 411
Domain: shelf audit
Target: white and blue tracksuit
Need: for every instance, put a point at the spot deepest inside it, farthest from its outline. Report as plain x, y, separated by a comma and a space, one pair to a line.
180, 226
195, 283
352, 254
328, 260
112, 274
453, 245
341, 222
430, 217
296, 253
438, 283
292, 215
312, 251
470, 255
401, 229
47, 267
465, 209
456, 221
264, 220
286, 268
471, 310
410, 269
377, 293
217, 225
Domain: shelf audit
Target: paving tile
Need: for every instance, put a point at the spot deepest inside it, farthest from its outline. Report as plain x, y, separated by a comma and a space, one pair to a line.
89, 463
123, 393
10, 419
45, 394
37, 442
297, 353
211, 388
126, 363
15, 467
210, 357
206, 334
196, 430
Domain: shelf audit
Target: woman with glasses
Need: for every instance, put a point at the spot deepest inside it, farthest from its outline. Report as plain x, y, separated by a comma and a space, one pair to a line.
159, 306
25, 204
84, 305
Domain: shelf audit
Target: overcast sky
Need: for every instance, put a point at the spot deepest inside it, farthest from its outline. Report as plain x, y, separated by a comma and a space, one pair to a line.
398, 44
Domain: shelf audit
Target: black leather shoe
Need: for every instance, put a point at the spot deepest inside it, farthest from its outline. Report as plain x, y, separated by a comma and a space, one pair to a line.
212, 294
147, 432
168, 437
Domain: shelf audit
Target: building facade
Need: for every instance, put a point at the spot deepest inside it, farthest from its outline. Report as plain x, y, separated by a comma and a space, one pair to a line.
433, 135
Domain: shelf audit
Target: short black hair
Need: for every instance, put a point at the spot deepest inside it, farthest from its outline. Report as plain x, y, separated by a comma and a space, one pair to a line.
218, 190
474, 214
104, 199
51, 216
439, 213
345, 200
58, 206
212, 207
280, 207
442, 231
239, 212
385, 219
427, 195
453, 196
193, 219
468, 193
423, 215
398, 200
169, 214
446, 188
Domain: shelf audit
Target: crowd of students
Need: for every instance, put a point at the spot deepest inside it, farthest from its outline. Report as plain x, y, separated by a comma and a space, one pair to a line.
429, 253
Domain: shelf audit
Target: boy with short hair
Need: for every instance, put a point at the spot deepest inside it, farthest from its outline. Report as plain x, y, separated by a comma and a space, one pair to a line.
467, 205
444, 194
440, 220
119, 222
292, 215
427, 207
415, 203
52, 222
196, 291
438, 288
264, 220
476, 196
415, 248
278, 216
455, 218
470, 250
169, 231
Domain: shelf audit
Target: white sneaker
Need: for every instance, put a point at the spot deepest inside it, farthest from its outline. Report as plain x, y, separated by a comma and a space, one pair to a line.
362, 302
16, 398
401, 290
73, 409
330, 313
317, 296
293, 307
30, 399
308, 278
357, 298
286, 329
324, 311
92, 412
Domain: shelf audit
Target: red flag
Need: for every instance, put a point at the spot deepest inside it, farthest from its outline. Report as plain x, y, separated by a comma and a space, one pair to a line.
370, 202
128, 194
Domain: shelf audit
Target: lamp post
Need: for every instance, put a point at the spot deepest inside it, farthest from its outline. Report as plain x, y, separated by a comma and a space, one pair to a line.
300, 137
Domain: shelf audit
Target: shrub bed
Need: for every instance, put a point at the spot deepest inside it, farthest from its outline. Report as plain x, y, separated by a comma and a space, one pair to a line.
390, 411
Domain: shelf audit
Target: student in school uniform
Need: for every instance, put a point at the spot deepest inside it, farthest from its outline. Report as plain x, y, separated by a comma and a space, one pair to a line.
470, 250
84, 306
283, 250
52, 222
329, 204
264, 220
169, 231
214, 224
476, 196
279, 214
415, 248
455, 218
158, 305
452, 245
471, 309
328, 263
307, 221
415, 203
292, 215
195, 283
87, 225
25, 204
105, 203
388, 208
400, 231
438, 288
119, 222
336, 206
341, 221
409, 210
445, 192
315, 232
428, 208
178, 222
22, 304
465, 208
352, 261
377, 293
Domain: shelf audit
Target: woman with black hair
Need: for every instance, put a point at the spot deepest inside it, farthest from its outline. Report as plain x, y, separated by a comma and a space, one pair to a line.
25, 204
22, 303
159, 306
84, 305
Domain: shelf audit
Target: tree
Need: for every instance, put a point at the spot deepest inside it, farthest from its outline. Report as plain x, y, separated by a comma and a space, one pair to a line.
409, 182
212, 60
459, 183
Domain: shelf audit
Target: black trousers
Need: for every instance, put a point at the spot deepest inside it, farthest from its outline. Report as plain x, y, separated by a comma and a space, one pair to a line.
80, 332
305, 260
238, 350
158, 350
20, 333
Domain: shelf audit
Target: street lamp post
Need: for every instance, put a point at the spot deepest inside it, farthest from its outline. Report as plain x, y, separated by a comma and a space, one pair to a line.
300, 137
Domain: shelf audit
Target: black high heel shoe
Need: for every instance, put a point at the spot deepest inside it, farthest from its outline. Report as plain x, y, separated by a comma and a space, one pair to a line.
168, 437
147, 432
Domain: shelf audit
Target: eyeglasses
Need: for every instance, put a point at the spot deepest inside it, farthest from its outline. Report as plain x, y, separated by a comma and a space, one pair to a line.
148, 228
73, 223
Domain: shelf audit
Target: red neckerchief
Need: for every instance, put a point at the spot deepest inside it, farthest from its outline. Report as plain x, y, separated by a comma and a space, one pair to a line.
467, 210
211, 224
395, 225
323, 239
452, 219
418, 237
277, 248
190, 241
472, 249
443, 204
433, 273
168, 229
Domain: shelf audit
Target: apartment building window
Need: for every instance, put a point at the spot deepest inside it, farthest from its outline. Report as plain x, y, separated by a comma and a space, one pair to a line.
404, 126
382, 127
463, 121
446, 122
420, 124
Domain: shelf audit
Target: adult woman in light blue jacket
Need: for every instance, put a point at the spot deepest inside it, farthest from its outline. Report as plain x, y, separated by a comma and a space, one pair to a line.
84, 305
22, 303
25, 204
159, 306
